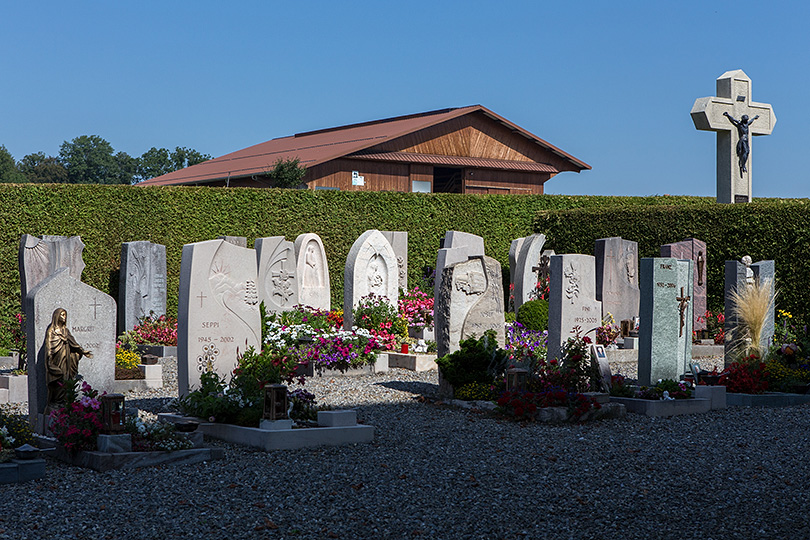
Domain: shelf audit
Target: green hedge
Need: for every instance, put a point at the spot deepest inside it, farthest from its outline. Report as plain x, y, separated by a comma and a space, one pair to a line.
777, 229
106, 216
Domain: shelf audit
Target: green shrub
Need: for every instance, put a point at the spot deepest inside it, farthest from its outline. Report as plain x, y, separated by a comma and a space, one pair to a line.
534, 315
474, 392
18, 427
476, 361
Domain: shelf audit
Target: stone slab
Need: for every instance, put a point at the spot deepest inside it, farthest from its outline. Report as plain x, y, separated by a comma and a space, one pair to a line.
772, 399
141, 283
152, 372
275, 425
715, 394
283, 439
21, 470
673, 407
91, 319
347, 417
399, 243
700, 351
240, 241
114, 444
529, 269
617, 284
39, 258
630, 342
572, 299
312, 272
102, 462
413, 362
514, 251
277, 282
17, 386
218, 310
161, 351
371, 268
123, 386
456, 246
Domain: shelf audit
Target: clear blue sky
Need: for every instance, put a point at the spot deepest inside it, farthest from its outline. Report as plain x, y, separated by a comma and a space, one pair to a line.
611, 83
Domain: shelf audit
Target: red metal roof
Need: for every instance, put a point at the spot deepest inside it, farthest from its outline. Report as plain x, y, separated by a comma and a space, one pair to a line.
457, 161
316, 147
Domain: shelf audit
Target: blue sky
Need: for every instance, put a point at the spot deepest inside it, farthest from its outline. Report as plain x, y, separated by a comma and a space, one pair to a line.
611, 83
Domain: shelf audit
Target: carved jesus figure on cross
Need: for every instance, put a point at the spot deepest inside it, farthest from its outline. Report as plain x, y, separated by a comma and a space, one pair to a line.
743, 148
683, 302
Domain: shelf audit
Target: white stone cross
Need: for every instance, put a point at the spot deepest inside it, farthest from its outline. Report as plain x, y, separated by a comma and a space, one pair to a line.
733, 101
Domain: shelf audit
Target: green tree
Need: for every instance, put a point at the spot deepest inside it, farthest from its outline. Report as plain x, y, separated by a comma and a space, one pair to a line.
41, 169
183, 157
127, 168
89, 159
9, 172
287, 173
159, 161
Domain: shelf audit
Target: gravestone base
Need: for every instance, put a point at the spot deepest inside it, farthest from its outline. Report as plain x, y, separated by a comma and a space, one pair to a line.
21, 470
673, 407
412, 362
715, 394
114, 444
13, 388
161, 351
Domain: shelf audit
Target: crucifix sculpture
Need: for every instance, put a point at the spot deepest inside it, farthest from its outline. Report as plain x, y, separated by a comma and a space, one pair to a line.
683, 302
721, 114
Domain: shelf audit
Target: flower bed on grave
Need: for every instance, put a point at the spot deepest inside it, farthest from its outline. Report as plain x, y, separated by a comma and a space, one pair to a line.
16, 463
76, 431
542, 390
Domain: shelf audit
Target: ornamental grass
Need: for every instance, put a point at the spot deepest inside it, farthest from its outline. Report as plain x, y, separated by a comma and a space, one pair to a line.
751, 306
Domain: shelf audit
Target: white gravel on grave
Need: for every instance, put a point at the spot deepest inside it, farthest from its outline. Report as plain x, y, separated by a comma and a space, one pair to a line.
443, 473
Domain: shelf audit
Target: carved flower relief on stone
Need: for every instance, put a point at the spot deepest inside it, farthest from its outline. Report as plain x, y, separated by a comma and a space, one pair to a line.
572, 282
251, 293
206, 360
472, 282
401, 266
282, 286
376, 274
237, 298
137, 279
630, 265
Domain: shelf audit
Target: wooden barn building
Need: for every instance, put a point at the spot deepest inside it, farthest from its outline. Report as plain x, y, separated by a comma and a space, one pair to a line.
461, 150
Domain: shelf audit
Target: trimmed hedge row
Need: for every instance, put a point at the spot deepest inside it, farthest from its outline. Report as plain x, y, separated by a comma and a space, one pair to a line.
777, 229
105, 216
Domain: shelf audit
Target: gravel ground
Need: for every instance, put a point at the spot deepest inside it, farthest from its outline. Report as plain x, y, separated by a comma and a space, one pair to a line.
442, 473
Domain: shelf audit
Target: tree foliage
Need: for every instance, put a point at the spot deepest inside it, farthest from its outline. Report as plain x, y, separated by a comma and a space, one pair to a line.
9, 173
89, 159
287, 173
159, 161
41, 169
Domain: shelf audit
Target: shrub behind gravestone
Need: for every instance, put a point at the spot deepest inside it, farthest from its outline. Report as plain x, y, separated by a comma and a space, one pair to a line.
534, 315
476, 361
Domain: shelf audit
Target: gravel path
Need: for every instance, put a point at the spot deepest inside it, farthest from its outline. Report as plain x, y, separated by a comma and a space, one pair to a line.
441, 473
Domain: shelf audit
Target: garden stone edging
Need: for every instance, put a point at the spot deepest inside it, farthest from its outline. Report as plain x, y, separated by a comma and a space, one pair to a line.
674, 407
21, 470
768, 399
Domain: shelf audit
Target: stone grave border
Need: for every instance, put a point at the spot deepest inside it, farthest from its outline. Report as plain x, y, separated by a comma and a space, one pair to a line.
674, 407
21, 470
768, 399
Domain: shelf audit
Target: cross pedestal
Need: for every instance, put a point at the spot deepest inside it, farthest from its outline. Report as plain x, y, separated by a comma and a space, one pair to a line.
733, 97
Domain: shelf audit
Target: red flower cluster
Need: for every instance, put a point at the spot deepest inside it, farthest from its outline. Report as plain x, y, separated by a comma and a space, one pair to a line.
524, 405
747, 377
156, 331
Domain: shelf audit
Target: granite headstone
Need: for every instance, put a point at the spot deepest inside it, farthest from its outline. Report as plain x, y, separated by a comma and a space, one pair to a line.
665, 327
693, 249
141, 283
572, 299
218, 310
617, 277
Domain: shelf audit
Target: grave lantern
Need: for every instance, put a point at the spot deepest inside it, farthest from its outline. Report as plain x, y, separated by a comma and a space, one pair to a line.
112, 414
275, 402
516, 378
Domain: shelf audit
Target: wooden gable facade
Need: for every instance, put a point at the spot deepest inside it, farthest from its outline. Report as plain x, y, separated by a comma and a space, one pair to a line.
466, 150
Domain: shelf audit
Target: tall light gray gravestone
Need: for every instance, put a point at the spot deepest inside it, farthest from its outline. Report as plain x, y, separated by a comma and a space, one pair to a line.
313, 272
529, 269
572, 299
514, 251
469, 303
371, 268
277, 273
141, 283
735, 118
41, 257
739, 274
218, 310
617, 277
91, 320
399, 242
695, 250
240, 241
665, 326
457, 246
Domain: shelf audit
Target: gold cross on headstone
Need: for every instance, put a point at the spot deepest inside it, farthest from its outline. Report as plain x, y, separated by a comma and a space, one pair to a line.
683, 302
733, 116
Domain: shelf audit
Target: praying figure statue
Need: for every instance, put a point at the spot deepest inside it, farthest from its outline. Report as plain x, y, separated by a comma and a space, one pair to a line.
62, 354
743, 148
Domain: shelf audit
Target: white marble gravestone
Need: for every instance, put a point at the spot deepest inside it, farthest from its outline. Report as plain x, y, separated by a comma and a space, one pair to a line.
693, 249
617, 277
456, 247
514, 251
91, 320
371, 268
529, 269
399, 242
218, 310
141, 283
277, 282
38, 258
469, 303
665, 326
709, 114
572, 300
313, 272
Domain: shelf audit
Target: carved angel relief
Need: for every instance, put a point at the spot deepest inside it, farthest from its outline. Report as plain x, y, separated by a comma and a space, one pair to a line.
572, 282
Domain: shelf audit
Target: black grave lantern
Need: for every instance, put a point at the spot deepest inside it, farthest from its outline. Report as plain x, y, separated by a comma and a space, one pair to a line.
516, 378
275, 402
112, 414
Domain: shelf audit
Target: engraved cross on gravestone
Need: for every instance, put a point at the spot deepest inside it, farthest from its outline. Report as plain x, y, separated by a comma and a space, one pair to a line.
733, 101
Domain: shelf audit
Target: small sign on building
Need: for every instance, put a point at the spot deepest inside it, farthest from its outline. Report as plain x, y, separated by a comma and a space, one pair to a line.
358, 180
